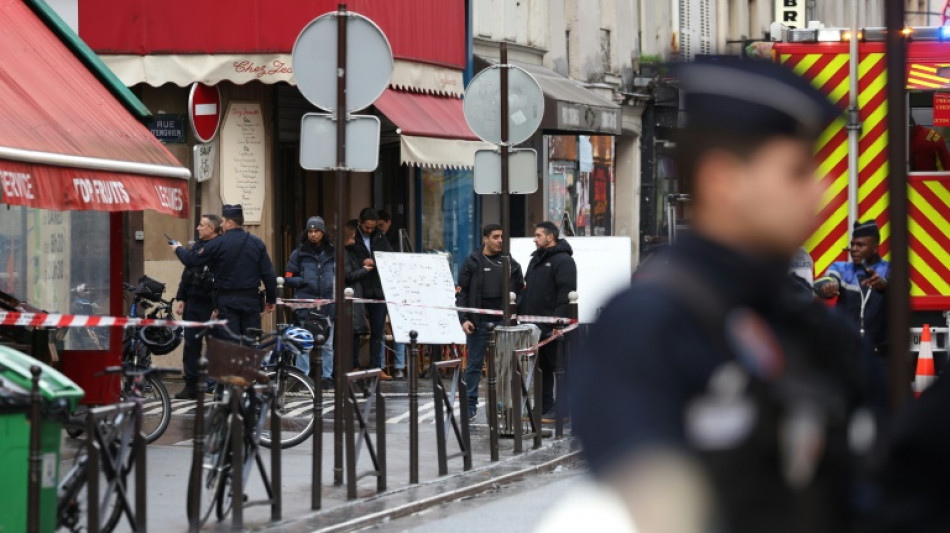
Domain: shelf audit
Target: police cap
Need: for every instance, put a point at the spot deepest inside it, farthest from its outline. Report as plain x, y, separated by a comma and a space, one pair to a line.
867, 228
232, 211
751, 98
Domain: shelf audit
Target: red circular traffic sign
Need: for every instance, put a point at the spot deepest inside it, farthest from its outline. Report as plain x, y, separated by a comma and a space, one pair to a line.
204, 110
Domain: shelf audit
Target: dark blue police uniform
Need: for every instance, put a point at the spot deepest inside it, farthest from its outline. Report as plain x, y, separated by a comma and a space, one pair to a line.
195, 290
240, 263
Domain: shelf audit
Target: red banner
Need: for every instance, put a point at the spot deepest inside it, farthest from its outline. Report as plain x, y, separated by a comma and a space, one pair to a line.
74, 189
942, 109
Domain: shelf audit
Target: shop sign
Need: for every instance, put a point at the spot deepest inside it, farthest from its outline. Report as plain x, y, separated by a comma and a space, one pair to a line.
578, 117
167, 128
942, 109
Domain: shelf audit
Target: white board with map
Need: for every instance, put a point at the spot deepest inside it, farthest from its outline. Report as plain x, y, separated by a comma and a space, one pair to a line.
603, 269
420, 279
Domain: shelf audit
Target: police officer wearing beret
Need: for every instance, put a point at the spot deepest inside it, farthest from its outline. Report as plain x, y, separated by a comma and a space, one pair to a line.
195, 303
711, 396
240, 263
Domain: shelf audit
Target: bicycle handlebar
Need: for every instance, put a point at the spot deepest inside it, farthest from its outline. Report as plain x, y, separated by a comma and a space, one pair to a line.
135, 371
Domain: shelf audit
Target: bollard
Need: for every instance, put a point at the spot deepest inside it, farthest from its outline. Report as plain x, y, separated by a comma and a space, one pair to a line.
438, 395
281, 309
560, 407
343, 336
138, 448
36, 453
93, 467
350, 406
538, 388
276, 499
517, 422
197, 455
237, 460
413, 407
492, 412
463, 414
380, 440
316, 486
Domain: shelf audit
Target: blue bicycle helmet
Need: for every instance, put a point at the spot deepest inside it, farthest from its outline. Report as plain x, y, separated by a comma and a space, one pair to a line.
300, 338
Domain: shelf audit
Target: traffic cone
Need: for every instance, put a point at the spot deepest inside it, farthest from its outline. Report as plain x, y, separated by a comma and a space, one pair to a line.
925, 363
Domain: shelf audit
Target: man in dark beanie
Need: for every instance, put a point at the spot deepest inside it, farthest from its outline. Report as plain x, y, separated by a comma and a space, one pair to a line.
861, 285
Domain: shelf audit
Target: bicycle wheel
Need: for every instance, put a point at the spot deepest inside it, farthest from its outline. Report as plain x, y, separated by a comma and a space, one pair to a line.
73, 503
215, 464
156, 406
295, 393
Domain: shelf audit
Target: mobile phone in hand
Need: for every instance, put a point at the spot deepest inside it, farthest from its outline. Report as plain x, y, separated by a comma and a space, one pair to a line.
170, 240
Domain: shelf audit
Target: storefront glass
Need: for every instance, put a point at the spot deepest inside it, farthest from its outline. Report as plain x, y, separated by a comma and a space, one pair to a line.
58, 261
580, 184
448, 213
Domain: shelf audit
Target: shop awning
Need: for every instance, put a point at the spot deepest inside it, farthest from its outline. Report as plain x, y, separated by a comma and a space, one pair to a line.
66, 142
433, 131
569, 106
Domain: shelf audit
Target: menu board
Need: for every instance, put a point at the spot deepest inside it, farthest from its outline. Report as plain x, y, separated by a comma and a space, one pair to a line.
420, 279
243, 172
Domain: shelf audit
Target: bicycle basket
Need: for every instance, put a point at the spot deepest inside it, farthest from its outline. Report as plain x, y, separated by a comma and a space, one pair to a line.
149, 288
234, 363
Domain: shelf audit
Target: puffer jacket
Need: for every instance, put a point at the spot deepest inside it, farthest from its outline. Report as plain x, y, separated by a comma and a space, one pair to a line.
550, 277
311, 272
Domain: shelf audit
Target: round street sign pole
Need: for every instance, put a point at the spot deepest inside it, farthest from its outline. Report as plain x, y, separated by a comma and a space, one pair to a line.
344, 338
505, 197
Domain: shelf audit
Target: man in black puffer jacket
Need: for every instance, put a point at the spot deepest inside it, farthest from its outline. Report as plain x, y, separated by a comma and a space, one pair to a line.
550, 277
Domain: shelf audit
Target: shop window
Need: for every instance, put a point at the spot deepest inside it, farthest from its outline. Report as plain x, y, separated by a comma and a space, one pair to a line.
929, 125
448, 214
58, 261
580, 184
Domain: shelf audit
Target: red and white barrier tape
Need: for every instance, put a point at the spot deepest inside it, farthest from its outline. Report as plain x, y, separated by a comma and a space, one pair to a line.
556, 334
52, 320
303, 304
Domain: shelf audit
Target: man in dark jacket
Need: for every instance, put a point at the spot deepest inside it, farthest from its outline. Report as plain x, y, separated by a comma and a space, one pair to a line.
194, 303
356, 271
551, 276
240, 263
310, 271
480, 286
370, 240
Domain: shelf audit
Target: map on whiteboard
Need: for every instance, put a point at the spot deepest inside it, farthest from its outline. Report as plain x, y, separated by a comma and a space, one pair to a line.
420, 279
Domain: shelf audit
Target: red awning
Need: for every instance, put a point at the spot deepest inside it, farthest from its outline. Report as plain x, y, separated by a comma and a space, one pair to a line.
433, 131
425, 115
65, 141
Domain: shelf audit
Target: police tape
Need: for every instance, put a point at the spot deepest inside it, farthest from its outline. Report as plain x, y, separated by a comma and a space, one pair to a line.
556, 334
533, 319
53, 320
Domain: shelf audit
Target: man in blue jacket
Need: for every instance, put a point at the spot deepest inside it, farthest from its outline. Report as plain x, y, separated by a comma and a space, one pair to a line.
861, 285
311, 271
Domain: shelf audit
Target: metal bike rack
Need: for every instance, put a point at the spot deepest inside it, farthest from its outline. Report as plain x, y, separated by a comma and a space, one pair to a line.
352, 410
443, 400
112, 461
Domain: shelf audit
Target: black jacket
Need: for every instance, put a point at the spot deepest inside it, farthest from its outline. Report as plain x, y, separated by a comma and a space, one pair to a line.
550, 277
355, 274
372, 287
239, 261
471, 280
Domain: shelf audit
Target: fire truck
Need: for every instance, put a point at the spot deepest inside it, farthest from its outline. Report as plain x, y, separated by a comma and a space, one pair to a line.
852, 153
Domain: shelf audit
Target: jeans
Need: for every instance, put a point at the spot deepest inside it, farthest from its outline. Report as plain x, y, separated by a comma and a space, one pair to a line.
377, 328
477, 344
399, 355
303, 360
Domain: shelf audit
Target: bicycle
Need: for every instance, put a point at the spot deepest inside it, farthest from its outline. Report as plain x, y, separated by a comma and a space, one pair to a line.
137, 351
115, 427
295, 392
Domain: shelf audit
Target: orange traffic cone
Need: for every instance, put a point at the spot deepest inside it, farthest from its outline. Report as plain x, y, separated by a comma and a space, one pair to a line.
925, 363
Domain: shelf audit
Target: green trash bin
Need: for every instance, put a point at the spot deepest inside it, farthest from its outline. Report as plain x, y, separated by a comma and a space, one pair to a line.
15, 385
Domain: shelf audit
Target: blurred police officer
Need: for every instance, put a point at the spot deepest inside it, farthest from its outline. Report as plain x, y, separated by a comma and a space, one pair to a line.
240, 263
550, 277
711, 383
195, 303
480, 287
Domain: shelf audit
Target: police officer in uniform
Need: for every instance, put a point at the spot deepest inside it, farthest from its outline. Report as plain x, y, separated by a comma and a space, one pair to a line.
194, 303
240, 263
711, 396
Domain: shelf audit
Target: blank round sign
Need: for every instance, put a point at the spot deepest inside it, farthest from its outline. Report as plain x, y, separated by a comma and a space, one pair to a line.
482, 105
369, 61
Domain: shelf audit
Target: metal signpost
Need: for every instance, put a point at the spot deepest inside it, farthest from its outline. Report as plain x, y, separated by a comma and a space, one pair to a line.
340, 84
518, 97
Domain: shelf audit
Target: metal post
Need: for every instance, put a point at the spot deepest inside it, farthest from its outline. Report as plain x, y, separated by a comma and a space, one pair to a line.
141, 474
854, 121
505, 199
463, 415
413, 407
438, 394
537, 387
197, 455
275, 452
492, 412
36, 453
561, 406
316, 477
350, 449
237, 460
343, 340
380, 439
281, 310
92, 476
898, 319
517, 415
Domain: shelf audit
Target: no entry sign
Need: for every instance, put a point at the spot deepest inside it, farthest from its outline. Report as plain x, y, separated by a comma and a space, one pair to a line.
204, 110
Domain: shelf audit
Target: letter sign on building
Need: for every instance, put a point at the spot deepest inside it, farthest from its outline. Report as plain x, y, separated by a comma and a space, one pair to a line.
791, 13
